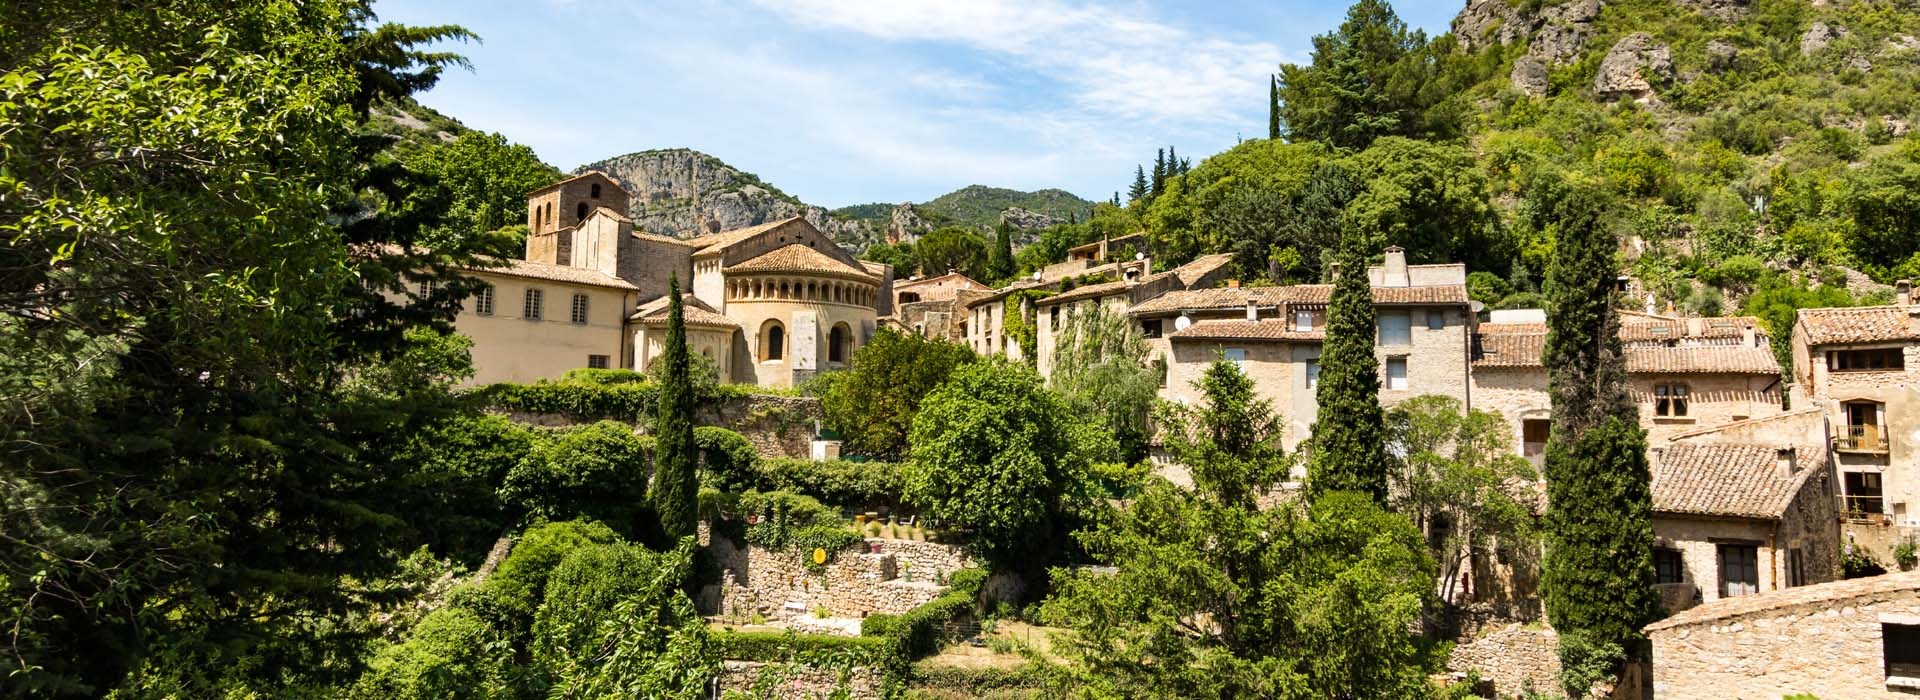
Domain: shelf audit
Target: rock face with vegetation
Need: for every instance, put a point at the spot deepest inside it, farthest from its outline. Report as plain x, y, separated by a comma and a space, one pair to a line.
665, 182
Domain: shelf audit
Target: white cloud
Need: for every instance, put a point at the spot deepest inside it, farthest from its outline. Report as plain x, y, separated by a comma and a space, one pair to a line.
1120, 61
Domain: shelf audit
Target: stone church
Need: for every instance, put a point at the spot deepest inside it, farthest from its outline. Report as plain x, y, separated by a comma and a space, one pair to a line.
771, 304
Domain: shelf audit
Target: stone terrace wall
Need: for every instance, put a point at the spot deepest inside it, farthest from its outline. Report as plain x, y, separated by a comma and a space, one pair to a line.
1822, 639
1511, 658
797, 682
778, 426
856, 583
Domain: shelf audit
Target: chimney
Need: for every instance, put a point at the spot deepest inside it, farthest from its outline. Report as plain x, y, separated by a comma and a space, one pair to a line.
1233, 284
1785, 458
1903, 293
1396, 268
1253, 314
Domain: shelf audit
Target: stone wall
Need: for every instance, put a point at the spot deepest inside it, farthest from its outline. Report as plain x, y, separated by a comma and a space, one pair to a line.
796, 681
778, 426
857, 582
1513, 658
1824, 640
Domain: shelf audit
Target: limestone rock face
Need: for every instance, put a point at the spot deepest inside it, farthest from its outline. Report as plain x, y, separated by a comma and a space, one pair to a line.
1023, 218
1632, 66
1720, 54
906, 224
1818, 36
664, 182
1529, 76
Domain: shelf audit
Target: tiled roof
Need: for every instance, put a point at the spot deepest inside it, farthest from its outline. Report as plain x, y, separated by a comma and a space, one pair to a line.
693, 311
559, 273
1863, 324
1767, 603
1215, 299
1433, 294
1091, 291
1644, 328
617, 216
1509, 349
1191, 273
715, 241
660, 239
801, 258
1004, 292
587, 174
1702, 359
1741, 481
1264, 330
1512, 328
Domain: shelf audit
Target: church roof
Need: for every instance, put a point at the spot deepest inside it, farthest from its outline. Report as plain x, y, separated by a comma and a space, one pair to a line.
717, 241
803, 259
693, 311
558, 273
581, 176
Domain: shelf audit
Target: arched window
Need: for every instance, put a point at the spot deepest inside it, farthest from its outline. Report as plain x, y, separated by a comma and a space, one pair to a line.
536, 219
773, 341
595, 193
580, 211
839, 344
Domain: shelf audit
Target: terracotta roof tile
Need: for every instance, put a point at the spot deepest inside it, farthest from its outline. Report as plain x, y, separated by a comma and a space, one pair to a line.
1521, 344
1742, 481
796, 257
1702, 359
587, 174
1643, 328
1263, 330
1191, 273
1509, 349
695, 312
1432, 294
715, 241
1864, 324
559, 273
1216, 299
1091, 291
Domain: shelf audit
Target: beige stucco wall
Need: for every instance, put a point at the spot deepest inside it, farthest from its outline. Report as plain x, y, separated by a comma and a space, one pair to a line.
509, 348
714, 343
808, 325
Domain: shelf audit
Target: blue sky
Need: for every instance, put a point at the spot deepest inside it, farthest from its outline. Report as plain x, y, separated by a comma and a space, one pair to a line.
848, 101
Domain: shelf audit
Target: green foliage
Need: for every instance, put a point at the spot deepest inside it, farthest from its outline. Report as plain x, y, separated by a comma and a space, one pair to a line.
615, 623
999, 265
451, 653
863, 485
873, 404
1021, 327
520, 583
1099, 368
1369, 78
615, 399
726, 456
1454, 476
1598, 574
599, 471
789, 646
457, 466
918, 632
952, 248
485, 180
1347, 447
996, 454
788, 522
675, 485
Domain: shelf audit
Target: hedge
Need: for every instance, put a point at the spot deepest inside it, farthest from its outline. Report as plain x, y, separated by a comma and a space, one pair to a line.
836, 481
790, 646
977, 681
588, 400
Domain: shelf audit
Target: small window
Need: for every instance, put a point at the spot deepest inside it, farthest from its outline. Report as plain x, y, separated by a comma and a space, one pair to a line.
1396, 329
1670, 400
1150, 328
483, 301
1667, 567
597, 361
533, 307
426, 288
1053, 317
1237, 356
1900, 647
1739, 570
1160, 368
580, 211
595, 192
1302, 320
1436, 320
839, 342
1796, 568
1397, 374
1313, 375
1876, 359
579, 316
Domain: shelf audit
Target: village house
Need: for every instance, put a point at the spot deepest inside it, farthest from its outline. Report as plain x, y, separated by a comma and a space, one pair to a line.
771, 304
989, 317
1861, 368
1738, 519
1053, 312
928, 306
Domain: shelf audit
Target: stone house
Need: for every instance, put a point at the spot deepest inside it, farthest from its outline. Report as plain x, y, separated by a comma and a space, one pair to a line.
771, 304
987, 317
926, 306
1737, 519
1686, 374
1054, 311
1855, 639
1861, 368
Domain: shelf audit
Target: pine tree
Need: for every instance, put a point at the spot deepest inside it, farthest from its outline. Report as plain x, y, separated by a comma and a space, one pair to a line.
1000, 259
1273, 107
1349, 431
1173, 163
1598, 574
1186, 164
1116, 199
1139, 189
675, 487
1159, 173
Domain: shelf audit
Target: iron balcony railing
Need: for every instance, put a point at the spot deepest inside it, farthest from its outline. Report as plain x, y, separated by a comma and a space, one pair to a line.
1864, 438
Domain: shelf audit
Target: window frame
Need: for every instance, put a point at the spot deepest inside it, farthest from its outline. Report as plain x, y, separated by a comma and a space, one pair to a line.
1665, 558
1403, 334
599, 361
1436, 320
1744, 564
1672, 399
533, 304
1867, 360
483, 300
773, 342
578, 309
1237, 356
1907, 666
1386, 371
1152, 328
1313, 374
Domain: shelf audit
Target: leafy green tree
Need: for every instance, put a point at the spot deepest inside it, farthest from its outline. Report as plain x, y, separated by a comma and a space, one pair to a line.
676, 488
597, 471
1349, 436
452, 652
1884, 201
1455, 476
1100, 369
1598, 574
1000, 258
994, 453
952, 248
872, 405
615, 619
486, 179
1431, 199
1213, 596
1347, 96
900, 256
1777, 300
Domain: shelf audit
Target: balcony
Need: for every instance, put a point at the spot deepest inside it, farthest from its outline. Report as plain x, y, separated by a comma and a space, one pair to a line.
1861, 438
1868, 509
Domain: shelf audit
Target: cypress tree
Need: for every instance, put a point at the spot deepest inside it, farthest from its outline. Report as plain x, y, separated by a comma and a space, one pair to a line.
1159, 172
675, 489
1139, 189
1000, 259
1273, 107
1349, 431
1598, 575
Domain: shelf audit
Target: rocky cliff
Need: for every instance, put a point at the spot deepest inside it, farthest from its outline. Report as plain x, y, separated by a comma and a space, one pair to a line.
664, 183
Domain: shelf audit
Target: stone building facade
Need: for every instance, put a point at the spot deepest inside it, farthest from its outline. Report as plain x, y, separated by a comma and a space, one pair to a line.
772, 304
1856, 639
1861, 368
1735, 519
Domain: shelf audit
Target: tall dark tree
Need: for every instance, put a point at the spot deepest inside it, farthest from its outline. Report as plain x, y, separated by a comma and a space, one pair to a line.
1349, 435
1000, 258
1159, 181
675, 487
1273, 107
1173, 163
1349, 95
1140, 188
1598, 577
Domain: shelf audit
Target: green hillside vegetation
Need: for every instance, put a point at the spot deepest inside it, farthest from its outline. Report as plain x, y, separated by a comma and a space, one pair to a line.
979, 206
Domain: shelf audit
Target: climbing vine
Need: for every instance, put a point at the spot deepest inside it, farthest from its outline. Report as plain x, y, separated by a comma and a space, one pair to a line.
1020, 326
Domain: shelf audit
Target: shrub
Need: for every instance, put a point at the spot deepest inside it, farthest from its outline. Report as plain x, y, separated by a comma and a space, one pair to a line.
521, 581
841, 482
792, 522
589, 375
610, 399
581, 592
598, 471
451, 653
790, 646
726, 455
873, 404
455, 467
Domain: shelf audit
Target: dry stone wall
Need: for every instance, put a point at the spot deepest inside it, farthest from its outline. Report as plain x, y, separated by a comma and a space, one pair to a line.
796, 681
778, 426
857, 582
1512, 658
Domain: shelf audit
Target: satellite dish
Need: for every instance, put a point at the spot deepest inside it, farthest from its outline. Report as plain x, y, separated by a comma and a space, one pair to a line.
1180, 324
1477, 306
1139, 256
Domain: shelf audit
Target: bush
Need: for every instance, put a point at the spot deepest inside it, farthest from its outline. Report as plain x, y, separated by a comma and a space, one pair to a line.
604, 377
726, 455
610, 398
789, 646
521, 581
581, 592
792, 522
451, 653
840, 482
873, 404
455, 467
918, 632
598, 471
